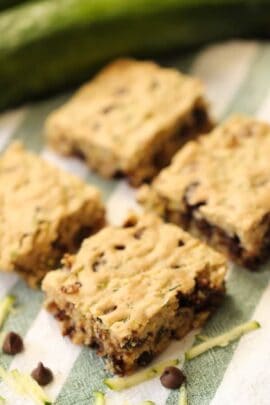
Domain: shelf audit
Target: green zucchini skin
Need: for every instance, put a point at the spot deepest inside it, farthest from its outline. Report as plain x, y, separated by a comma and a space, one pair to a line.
9, 3
49, 45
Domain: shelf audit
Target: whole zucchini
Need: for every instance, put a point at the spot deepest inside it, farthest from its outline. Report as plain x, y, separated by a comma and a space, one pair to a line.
47, 45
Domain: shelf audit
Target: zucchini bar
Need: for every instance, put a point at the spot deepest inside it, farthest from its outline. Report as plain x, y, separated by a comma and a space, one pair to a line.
130, 119
218, 188
131, 289
44, 212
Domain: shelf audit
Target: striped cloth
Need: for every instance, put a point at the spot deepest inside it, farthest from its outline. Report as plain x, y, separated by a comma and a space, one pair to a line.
237, 79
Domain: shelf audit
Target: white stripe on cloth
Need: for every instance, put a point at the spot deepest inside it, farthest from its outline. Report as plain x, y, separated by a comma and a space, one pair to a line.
121, 202
264, 111
43, 340
8, 124
72, 165
223, 69
246, 380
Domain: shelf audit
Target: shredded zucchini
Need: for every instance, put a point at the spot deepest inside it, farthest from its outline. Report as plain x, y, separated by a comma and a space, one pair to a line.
99, 398
183, 396
24, 384
5, 308
121, 383
222, 340
148, 403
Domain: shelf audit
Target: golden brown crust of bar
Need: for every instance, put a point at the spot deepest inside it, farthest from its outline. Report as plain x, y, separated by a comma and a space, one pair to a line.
125, 116
44, 212
223, 179
126, 282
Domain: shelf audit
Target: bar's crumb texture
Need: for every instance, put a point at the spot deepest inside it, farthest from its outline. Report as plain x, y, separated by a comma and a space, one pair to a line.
130, 119
132, 289
44, 212
218, 188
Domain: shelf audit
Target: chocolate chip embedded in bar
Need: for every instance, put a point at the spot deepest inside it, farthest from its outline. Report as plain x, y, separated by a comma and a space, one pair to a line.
131, 301
44, 213
218, 188
130, 119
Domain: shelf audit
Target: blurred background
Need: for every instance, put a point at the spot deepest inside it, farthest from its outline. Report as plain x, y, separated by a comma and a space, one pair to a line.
47, 46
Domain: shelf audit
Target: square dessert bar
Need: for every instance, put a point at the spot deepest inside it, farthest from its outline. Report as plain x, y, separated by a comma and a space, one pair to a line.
130, 119
218, 188
131, 289
44, 212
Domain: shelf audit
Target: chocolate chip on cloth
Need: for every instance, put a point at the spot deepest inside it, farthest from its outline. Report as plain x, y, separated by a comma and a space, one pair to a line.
13, 344
42, 375
172, 378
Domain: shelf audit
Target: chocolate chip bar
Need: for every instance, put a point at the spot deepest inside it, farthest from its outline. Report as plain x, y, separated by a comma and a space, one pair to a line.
131, 289
44, 212
130, 119
218, 188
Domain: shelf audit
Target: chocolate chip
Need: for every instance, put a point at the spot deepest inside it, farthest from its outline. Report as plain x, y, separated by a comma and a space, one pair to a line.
138, 234
188, 194
69, 331
205, 227
95, 266
13, 343
42, 375
118, 174
145, 358
119, 247
81, 234
180, 243
78, 154
118, 364
172, 378
200, 116
58, 245
107, 109
109, 309
161, 333
130, 222
98, 262
61, 316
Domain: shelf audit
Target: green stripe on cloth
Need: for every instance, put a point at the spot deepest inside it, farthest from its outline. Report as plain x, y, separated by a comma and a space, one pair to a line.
87, 376
28, 304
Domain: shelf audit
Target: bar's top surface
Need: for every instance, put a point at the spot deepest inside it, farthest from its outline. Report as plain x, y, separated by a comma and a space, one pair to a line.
125, 108
126, 275
34, 198
225, 176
